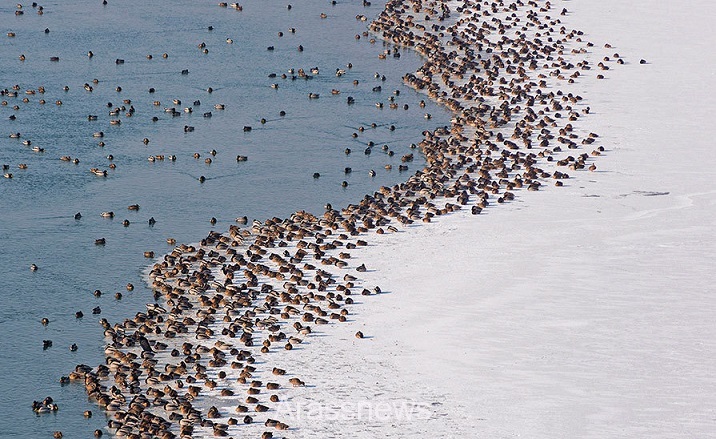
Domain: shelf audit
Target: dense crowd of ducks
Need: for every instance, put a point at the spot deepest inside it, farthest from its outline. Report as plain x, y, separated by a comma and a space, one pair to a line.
227, 309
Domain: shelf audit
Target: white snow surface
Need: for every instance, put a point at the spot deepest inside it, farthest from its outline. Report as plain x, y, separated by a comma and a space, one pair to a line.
586, 311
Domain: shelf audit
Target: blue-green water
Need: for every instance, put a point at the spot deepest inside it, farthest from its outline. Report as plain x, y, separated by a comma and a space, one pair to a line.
38, 204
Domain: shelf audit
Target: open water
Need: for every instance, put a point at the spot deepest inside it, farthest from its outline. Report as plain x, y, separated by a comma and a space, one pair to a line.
37, 206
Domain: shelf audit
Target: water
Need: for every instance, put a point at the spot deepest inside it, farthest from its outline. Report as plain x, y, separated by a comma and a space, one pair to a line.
37, 206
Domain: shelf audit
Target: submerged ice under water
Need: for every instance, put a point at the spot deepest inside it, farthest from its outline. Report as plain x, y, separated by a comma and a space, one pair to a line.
37, 206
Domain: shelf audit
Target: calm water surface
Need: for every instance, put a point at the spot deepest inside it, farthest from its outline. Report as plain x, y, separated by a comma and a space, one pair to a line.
37, 206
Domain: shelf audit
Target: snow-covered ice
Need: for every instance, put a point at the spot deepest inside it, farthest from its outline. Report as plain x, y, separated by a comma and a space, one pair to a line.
582, 311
